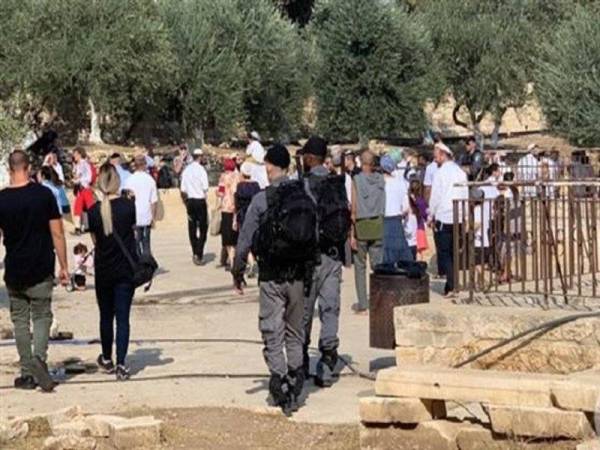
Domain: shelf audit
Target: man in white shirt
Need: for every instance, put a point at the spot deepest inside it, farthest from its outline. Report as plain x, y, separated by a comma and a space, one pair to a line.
255, 146
194, 186
441, 209
143, 187
528, 170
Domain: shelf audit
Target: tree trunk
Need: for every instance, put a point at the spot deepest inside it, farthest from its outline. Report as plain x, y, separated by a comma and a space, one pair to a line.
496, 134
95, 132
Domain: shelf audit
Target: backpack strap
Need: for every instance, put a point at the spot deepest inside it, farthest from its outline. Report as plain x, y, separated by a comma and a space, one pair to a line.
124, 250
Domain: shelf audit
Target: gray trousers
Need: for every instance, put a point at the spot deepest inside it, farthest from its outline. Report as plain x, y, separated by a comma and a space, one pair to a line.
281, 323
375, 252
327, 279
31, 305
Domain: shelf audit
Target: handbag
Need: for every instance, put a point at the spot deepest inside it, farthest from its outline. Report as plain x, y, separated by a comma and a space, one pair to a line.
370, 229
143, 270
215, 222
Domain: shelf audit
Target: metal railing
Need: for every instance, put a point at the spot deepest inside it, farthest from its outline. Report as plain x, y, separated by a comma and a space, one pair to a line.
545, 244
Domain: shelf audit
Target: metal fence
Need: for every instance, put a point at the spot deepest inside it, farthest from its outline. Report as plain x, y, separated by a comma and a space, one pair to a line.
531, 238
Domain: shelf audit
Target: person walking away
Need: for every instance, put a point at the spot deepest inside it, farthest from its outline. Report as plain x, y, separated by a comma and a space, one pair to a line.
420, 210
143, 188
111, 220
395, 246
226, 193
441, 209
48, 178
281, 228
82, 180
329, 193
245, 192
194, 187
368, 209
472, 162
528, 171
33, 235
124, 174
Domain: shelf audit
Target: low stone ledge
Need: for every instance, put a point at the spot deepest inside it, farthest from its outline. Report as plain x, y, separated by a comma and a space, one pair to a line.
393, 410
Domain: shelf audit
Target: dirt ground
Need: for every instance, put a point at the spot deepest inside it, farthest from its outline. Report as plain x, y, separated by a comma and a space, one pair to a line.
229, 428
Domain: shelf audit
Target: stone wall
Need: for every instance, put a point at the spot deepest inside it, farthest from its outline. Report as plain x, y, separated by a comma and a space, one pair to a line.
448, 334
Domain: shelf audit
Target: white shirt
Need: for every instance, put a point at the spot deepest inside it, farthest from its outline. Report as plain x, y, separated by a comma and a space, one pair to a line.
194, 181
430, 171
410, 230
396, 196
481, 216
349, 188
59, 171
259, 174
256, 150
143, 187
491, 192
83, 173
443, 192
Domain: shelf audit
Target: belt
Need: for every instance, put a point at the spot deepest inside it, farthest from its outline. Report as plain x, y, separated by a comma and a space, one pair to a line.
447, 227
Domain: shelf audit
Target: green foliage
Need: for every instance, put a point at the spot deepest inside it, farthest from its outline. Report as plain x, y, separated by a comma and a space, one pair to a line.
568, 78
374, 69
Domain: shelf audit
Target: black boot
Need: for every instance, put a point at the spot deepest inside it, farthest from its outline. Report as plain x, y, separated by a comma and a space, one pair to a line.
295, 380
280, 393
326, 374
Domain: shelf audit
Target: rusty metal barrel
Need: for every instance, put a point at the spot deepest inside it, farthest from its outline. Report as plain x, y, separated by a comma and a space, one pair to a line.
387, 292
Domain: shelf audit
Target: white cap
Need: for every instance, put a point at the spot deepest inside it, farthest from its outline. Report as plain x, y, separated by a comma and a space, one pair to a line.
443, 147
246, 169
198, 152
254, 135
531, 147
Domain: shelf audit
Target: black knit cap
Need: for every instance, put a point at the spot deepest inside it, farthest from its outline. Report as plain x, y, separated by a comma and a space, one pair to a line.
279, 156
315, 146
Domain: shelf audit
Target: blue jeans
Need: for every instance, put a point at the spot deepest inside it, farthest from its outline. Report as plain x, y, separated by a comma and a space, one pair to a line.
114, 300
395, 247
142, 240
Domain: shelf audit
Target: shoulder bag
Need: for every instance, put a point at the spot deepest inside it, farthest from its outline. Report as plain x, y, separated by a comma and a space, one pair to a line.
143, 270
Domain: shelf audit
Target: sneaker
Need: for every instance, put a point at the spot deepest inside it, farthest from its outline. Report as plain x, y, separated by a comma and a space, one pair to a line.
26, 383
105, 364
41, 375
122, 373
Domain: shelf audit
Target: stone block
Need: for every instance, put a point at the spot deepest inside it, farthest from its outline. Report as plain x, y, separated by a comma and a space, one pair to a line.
12, 429
479, 438
589, 445
141, 432
547, 423
578, 393
390, 410
483, 386
69, 442
99, 424
78, 427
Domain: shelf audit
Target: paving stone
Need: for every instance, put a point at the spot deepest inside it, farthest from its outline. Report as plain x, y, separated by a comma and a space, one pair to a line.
389, 410
13, 429
539, 422
141, 432
484, 386
99, 424
78, 427
69, 442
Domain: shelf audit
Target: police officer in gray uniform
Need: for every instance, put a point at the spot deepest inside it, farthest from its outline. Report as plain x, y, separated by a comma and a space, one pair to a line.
329, 193
281, 309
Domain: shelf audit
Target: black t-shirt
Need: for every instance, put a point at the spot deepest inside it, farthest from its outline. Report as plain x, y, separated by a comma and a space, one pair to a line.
109, 261
25, 215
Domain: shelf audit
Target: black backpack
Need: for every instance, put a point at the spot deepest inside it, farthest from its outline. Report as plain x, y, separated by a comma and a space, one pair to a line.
333, 210
287, 233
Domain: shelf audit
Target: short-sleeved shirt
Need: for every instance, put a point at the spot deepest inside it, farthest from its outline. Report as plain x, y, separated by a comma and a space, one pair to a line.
144, 188
109, 260
25, 215
430, 172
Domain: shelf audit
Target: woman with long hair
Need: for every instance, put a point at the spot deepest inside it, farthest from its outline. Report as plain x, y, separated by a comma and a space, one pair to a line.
111, 220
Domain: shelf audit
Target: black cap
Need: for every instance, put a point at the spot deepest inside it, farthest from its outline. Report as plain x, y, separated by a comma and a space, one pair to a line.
279, 156
315, 146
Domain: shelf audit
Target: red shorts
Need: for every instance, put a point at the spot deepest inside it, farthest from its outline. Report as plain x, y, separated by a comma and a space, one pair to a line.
83, 201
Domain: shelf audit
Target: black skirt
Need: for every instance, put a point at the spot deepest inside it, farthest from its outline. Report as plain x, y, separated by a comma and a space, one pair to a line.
229, 236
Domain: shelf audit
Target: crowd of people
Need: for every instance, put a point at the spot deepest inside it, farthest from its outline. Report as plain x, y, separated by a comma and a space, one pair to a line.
293, 223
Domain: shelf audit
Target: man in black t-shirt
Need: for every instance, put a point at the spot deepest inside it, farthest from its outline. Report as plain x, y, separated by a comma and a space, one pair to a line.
32, 231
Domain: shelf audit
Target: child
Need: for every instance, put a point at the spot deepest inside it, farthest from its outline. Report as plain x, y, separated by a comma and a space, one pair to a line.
419, 209
84, 263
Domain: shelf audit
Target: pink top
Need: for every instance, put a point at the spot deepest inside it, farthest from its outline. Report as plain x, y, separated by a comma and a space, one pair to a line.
227, 187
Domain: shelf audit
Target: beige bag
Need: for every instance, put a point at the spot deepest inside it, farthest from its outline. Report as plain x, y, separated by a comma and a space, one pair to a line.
215, 222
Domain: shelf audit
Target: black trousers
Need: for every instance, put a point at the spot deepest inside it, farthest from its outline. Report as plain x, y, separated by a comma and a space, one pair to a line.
445, 242
197, 212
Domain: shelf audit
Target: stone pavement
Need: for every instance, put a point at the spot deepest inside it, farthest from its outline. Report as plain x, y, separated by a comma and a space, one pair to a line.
194, 343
